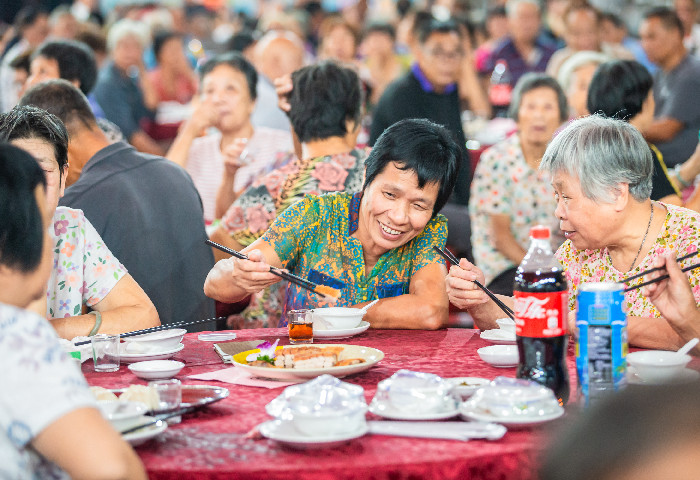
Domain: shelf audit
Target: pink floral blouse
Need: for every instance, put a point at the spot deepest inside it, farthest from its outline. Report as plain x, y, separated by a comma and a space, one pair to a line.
254, 211
84, 270
680, 235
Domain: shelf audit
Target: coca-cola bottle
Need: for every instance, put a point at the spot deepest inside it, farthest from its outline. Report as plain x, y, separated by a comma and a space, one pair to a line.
541, 311
500, 89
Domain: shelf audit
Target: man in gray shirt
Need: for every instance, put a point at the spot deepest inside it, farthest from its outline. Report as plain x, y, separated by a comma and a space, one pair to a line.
676, 86
144, 207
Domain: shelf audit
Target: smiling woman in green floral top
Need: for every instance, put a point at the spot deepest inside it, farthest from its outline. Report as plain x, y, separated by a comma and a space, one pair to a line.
373, 244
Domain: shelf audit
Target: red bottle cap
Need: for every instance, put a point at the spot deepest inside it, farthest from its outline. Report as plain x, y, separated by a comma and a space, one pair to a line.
539, 232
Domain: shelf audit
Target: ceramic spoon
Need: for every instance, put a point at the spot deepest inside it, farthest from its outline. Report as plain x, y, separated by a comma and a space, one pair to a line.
369, 305
688, 346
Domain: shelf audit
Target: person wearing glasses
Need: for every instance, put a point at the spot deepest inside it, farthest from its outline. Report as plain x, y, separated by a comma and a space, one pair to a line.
430, 90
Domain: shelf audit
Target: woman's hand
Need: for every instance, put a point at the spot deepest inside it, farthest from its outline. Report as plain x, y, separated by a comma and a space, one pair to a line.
251, 275
284, 85
234, 156
203, 116
461, 289
673, 297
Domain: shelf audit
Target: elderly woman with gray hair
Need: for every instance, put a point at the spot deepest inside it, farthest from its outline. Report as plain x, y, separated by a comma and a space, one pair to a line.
601, 171
508, 193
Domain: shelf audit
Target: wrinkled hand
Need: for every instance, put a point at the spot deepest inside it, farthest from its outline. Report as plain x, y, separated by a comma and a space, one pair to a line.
573, 329
461, 289
283, 86
673, 296
235, 155
251, 275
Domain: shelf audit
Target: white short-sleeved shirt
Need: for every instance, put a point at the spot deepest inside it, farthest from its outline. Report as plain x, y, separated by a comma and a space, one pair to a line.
205, 163
84, 270
40, 384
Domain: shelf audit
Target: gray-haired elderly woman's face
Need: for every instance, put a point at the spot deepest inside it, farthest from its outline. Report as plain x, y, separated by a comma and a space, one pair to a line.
583, 221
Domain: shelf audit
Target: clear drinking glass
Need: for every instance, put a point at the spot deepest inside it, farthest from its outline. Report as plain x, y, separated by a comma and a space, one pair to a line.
301, 326
105, 352
169, 397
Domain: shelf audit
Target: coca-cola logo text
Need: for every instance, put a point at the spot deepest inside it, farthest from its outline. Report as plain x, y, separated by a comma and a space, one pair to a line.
531, 307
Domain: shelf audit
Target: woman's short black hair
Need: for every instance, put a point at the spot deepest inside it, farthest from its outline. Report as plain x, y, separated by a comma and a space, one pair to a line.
238, 62
21, 225
75, 61
619, 88
531, 81
160, 38
323, 99
28, 121
423, 147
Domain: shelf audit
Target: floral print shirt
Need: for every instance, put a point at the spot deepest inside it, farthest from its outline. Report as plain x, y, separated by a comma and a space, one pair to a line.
680, 235
253, 212
84, 270
40, 384
313, 238
505, 184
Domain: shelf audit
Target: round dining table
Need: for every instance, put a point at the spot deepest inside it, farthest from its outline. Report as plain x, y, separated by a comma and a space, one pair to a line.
220, 441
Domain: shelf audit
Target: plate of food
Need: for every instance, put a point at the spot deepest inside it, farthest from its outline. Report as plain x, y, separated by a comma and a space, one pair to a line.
193, 396
309, 361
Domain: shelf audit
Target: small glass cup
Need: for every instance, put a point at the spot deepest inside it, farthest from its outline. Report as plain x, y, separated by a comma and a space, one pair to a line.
169, 397
301, 326
105, 352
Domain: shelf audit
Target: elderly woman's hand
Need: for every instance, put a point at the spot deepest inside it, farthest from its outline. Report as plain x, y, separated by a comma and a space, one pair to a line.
235, 156
673, 297
203, 116
251, 275
461, 289
284, 85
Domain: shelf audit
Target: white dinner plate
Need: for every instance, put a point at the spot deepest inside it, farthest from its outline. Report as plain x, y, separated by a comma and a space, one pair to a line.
370, 355
285, 433
341, 333
686, 375
126, 357
498, 336
145, 434
470, 414
388, 411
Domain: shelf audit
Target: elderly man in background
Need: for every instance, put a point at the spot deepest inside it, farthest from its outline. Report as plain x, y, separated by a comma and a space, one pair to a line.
278, 53
123, 89
676, 86
583, 33
144, 207
523, 50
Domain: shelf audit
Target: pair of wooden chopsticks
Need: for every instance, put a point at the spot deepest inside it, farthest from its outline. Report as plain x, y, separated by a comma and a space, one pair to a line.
159, 328
322, 290
447, 255
657, 269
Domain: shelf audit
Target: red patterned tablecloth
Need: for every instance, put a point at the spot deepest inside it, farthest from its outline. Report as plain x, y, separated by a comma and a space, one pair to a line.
212, 443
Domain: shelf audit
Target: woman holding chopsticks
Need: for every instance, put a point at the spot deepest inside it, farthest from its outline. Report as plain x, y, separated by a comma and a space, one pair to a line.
377, 243
601, 173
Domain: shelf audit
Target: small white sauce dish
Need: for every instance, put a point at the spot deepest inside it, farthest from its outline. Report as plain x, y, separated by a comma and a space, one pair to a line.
337, 318
156, 341
156, 369
507, 324
657, 366
500, 356
122, 415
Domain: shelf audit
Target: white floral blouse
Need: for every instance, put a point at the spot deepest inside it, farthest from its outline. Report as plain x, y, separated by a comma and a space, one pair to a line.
84, 269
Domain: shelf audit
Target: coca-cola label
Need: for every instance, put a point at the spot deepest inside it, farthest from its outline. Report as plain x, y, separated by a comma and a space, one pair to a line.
541, 314
500, 94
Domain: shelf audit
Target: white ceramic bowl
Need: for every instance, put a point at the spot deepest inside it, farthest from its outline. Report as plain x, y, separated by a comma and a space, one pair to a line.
657, 366
337, 318
122, 415
499, 355
161, 340
507, 324
328, 424
464, 387
156, 369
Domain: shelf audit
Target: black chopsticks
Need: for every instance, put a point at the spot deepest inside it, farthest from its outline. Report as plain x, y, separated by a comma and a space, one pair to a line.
322, 290
159, 328
447, 255
657, 269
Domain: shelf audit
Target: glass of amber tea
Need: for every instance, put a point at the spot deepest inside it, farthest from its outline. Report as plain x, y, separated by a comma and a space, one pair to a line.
301, 326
